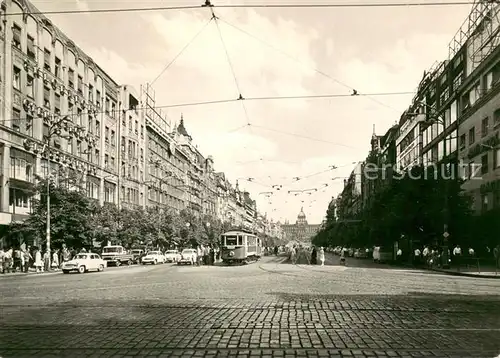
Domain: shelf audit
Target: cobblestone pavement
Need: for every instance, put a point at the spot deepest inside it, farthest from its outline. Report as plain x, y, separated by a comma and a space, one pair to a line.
265, 309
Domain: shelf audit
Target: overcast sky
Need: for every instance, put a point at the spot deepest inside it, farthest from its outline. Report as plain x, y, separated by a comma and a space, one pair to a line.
297, 52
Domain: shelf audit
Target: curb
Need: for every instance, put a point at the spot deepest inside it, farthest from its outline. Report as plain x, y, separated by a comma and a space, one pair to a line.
465, 274
24, 274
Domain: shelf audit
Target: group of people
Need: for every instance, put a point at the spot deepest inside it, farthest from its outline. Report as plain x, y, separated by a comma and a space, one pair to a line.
314, 254
22, 259
207, 255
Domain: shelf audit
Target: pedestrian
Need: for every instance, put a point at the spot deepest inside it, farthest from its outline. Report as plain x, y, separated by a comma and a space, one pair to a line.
399, 255
38, 261
314, 257
27, 260
55, 260
457, 256
46, 259
322, 256
8, 261
2, 258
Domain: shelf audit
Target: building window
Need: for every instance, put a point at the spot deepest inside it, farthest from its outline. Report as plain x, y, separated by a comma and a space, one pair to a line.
462, 141
472, 135
58, 67
106, 134
91, 93
496, 118
98, 128
16, 36
484, 127
71, 78
484, 164
16, 78
112, 139
20, 169
97, 157
30, 86
106, 161
80, 85
98, 99
31, 47
57, 104
16, 120
496, 158
46, 97
46, 60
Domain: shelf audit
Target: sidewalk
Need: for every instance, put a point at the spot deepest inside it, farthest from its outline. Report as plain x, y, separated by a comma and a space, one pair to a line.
31, 272
487, 272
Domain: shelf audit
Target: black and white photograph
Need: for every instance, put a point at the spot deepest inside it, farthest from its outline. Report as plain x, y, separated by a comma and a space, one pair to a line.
250, 178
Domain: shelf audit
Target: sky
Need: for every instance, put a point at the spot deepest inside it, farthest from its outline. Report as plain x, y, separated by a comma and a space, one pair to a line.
272, 52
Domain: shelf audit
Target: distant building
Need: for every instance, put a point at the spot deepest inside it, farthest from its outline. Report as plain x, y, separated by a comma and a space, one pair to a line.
302, 232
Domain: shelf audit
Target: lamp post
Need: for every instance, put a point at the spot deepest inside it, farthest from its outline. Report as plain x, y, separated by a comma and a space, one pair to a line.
431, 120
55, 129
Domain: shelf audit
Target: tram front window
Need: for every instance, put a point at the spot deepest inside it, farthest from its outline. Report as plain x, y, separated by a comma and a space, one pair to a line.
231, 241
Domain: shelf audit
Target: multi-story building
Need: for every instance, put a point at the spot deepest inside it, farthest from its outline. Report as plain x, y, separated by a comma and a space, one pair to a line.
301, 232
478, 98
165, 167
60, 115
379, 165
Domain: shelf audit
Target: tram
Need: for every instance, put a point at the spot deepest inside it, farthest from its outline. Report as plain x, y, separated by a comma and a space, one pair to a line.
240, 246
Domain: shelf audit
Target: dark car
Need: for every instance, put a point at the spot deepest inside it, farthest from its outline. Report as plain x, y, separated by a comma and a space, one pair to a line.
138, 255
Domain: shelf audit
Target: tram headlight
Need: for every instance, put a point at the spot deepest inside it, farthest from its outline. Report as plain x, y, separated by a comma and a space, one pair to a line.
231, 253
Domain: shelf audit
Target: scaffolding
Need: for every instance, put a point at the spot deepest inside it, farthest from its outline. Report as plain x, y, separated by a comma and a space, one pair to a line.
480, 30
155, 117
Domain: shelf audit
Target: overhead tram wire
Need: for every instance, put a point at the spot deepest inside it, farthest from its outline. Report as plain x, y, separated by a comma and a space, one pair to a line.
322, 73
221, 101
245, 6
181, 52
209, 5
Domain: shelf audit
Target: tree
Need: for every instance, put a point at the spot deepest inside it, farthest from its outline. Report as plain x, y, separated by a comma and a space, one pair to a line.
70, 222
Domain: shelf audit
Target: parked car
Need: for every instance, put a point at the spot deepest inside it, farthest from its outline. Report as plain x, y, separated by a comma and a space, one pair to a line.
137, 255
188, 257
172, 256
84, 262
153, 257
116, 255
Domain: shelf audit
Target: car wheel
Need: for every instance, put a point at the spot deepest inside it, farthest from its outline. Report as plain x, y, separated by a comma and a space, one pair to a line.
100, 268
118, 263
154, 263
129, 262
81, 269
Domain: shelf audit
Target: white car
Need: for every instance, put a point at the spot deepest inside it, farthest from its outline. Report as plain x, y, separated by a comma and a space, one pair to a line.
188, 257
153, 257
172, 256
83, 263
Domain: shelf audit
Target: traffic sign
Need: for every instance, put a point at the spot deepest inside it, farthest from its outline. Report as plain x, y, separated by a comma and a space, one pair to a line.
445, 234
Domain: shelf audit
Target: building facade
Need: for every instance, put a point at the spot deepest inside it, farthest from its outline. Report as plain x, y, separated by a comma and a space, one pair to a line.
301, 232
63, 118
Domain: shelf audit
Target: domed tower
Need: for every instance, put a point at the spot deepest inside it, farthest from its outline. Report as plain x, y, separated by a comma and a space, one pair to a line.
301, 218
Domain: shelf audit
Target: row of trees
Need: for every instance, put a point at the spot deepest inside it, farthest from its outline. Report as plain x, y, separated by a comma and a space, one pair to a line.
409, 209
78, 221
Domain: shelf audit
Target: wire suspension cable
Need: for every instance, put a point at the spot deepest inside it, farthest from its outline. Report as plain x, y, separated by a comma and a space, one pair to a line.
221, 101
230, 63
181, 51
245, 6
322, 73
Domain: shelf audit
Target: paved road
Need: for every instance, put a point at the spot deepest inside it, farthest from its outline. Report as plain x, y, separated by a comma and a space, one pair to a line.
266, 309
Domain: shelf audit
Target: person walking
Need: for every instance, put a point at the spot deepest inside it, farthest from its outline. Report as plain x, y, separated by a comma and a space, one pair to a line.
322, 256
38, 261
314, 256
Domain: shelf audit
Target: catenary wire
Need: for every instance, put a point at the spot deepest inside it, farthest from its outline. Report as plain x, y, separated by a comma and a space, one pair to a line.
322, 73
221, 101
230, 63
181, 52
246, 6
